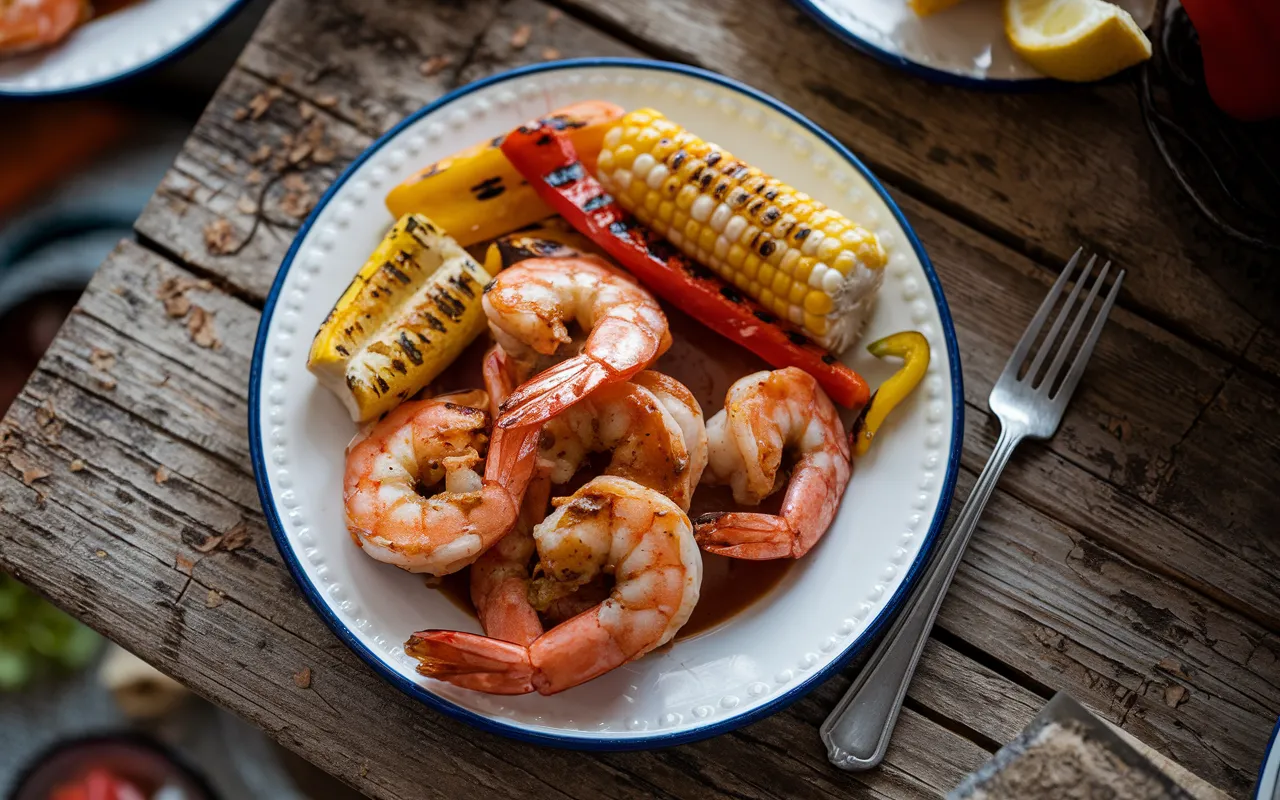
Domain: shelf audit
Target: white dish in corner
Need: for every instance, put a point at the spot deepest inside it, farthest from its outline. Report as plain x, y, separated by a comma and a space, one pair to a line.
963, 45
829, 604
119, 45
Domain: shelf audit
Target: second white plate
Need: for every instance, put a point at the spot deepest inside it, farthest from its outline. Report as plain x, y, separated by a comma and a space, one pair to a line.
963, 45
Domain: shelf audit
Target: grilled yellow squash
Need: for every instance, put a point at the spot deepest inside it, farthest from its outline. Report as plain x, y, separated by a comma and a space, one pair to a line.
412, 308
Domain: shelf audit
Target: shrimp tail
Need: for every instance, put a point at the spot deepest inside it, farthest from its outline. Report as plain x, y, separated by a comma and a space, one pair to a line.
512, 459
756, 537
472, 661
554, 390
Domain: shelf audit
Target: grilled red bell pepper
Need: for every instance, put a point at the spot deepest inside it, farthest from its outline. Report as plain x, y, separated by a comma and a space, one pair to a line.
548, 162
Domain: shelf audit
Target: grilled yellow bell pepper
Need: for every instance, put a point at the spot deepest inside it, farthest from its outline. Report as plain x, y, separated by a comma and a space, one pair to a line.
412, 308
913, 349
476, 194
551, 238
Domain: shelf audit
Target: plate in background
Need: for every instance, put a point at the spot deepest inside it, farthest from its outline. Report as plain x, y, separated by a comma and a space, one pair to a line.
119, 45
964, 45
826, 608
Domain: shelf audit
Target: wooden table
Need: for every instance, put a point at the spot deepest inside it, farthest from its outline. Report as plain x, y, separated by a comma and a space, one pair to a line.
1132, 561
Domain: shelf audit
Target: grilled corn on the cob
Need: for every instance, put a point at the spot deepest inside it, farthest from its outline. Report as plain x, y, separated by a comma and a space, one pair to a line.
413, 307
792, 254
476, 194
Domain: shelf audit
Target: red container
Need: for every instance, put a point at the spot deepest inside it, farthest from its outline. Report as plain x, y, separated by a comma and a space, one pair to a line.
1240, 45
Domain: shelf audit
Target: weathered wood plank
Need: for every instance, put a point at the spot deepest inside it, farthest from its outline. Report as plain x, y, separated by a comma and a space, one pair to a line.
358, 75
1047, 172
231, 208
113, 527
1223, 476
1045, 600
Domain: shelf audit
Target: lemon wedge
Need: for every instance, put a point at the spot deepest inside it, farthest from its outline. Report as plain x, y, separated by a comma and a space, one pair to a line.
1075, 40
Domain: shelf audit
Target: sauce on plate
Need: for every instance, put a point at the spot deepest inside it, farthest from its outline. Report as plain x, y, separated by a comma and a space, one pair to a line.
708, 365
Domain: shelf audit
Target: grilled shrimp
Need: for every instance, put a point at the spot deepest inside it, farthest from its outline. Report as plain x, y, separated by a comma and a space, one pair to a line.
651, 424
31, 24
529, 307
499, 579
767, 414
609, 525
422, 443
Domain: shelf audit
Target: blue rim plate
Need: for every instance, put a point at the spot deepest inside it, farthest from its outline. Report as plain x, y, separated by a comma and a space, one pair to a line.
932, 59
961, 46
1269, 770
297, 432
120, 46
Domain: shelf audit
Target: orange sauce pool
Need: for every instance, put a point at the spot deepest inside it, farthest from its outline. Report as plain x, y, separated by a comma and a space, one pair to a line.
708, 365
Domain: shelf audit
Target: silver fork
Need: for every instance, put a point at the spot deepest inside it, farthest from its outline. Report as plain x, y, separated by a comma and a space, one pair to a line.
857, 732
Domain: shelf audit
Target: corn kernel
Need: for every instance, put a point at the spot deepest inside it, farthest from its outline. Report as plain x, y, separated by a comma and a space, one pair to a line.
642, 116
797, 294
740, 280
767, 273
604, 161
815, 325
678, 220
663, 149
843, 263
789, 261
651, 201
753, 262
623, 156
613, 137
721, 248
754, 271
707, 238
818, 303
828, 248
638, 191
670, 186
647, 139
737, 253
685, 197
693, 232
753, 288
854, 236
766, 296
665, 209
802, 210
781, 307
782, 285
804, 267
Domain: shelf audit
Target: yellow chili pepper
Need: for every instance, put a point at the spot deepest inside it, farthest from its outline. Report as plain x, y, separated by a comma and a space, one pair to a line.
913, 349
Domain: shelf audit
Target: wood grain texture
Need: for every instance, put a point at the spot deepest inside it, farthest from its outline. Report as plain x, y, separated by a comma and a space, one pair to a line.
1133, 553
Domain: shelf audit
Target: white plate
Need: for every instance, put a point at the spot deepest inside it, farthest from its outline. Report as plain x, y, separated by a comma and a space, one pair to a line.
964, 44
826, 607
119, 45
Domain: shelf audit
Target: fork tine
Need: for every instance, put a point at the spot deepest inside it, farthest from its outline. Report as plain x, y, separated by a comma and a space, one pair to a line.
1046, 346
1064, 349
1077, 367
1037, 322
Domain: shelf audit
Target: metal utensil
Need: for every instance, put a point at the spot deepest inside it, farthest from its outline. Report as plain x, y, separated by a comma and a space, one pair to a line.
1029, 404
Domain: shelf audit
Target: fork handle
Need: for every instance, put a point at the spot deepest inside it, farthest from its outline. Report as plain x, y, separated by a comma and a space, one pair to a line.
857, 731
